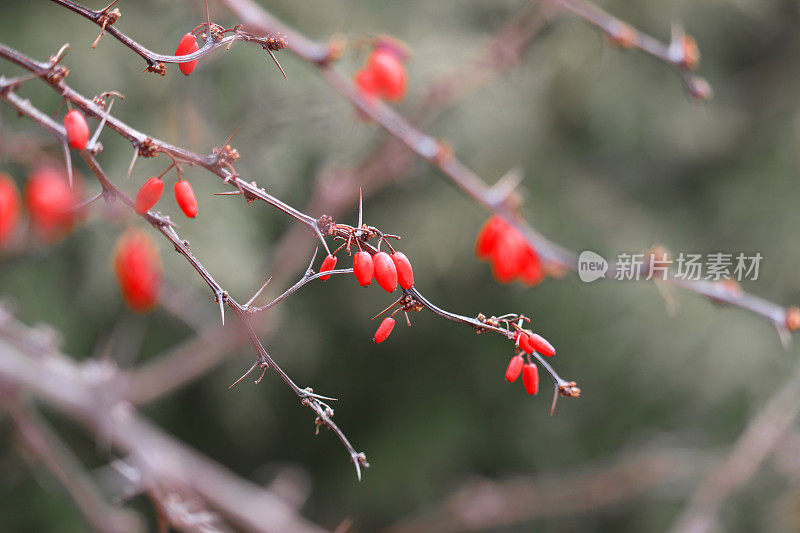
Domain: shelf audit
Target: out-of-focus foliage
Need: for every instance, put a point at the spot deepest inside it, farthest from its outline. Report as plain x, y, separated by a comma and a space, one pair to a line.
616, 158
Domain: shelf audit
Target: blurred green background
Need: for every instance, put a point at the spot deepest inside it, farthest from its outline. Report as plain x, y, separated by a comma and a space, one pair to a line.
616, 158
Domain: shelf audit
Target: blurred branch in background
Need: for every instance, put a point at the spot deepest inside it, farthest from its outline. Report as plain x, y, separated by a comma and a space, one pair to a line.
44, 444
88, 394
764, 433
487, 505
499, 200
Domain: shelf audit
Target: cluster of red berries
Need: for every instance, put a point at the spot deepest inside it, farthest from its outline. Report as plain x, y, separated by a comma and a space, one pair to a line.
510, 254
528, 342
49, 200
150, 193
384, 76
388, 270
187, 45
138, 270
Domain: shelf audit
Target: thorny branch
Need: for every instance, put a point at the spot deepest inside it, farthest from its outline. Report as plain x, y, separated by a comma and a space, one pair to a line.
213, 34
88, 393
501, 202
220, 163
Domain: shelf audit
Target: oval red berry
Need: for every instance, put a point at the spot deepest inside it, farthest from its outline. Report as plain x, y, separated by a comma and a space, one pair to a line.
508, 256
138, 270
184, 195
514, 368
530, 378
329, 263
385, 271
77, 129
532, 271
405, 274
363, 268
187, 45
384, 330
148, 195
541, 345
390, 74
366, 83
9, 207
523, 342
50, 202
487, 237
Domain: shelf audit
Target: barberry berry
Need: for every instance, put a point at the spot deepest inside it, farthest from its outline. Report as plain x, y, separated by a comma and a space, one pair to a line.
384, 330
77, 129
363, 268
148, 195
187, 45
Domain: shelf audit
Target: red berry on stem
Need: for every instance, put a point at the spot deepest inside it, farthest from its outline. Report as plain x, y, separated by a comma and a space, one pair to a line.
138, 270
187, 45
366, 82
50, 202
9, 207
530, 378
508, 256
327, 264
533, 271
363, 268
390, 74
184, 195
487, 237
514, 368
385, 271
148, 195
541, 345
523, 342
384, 330
77, 129
405, 274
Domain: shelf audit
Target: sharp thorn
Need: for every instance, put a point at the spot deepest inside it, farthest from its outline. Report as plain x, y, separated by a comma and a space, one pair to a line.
68, 159
244, 375
275, 59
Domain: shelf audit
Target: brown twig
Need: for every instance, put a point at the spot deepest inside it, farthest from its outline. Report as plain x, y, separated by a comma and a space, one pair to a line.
441, 157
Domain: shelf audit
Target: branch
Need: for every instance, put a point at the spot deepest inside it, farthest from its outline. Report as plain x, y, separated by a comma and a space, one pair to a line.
763, 434
163, 462
440, 156
41, 440
486, 504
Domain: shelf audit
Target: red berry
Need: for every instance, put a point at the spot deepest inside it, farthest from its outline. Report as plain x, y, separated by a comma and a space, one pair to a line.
385, 271
327, 264
9, 207
77, 129
523, 342
487, 237
50, 202
390, 74
184, 195
363, 268
508, 256
188, 45
384, 330
541, 345
148, 195
530, 378
138, 270
405, 274
532, 271
514, 368
366, 82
